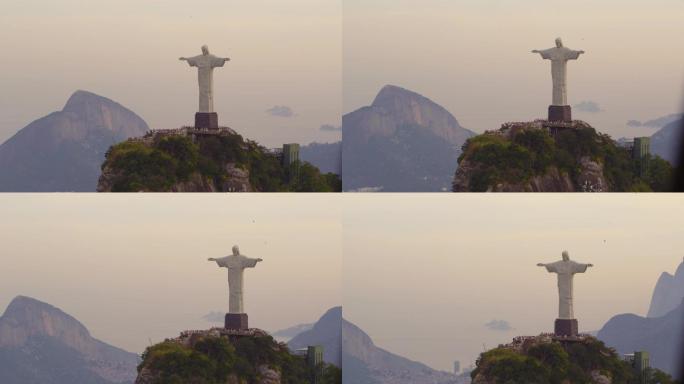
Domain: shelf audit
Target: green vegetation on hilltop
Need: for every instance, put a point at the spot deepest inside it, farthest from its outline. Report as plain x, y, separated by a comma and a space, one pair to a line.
556, 363
215, 360
170, 160
532, 152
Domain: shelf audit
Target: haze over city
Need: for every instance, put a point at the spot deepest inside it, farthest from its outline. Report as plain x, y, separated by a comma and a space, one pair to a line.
473, 57
282, 84
133, 268
436, 281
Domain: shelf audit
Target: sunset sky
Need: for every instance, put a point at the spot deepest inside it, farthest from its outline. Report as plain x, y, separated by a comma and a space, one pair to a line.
423, 274
473, 57
134, 269
282, 54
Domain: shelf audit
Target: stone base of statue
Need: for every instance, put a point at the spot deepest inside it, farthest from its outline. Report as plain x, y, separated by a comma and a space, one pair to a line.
560, 113
566, 327
236, 321
206, 120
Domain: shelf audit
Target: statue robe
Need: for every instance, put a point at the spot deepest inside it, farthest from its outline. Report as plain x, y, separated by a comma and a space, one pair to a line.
559, 57
566, 271
205, 77
236, 264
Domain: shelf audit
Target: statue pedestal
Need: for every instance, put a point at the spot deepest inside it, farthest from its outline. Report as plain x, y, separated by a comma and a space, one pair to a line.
560, 113
236, 321
206, 120
566, 327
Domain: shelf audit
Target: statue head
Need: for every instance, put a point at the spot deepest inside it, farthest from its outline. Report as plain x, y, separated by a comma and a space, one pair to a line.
205, 50
236, 250
566, 256
559, 42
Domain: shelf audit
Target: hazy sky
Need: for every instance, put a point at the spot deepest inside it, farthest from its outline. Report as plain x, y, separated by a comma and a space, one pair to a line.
282, 54
134, 269
473, 57
423, 274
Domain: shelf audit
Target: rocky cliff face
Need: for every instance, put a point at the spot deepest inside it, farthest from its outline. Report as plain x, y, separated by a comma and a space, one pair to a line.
401, 142
590, 179
668, 293
63, 150
42, 344
236, 180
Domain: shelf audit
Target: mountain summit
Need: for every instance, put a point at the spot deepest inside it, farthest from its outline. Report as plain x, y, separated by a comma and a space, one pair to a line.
326, 332
403, 141
668, 293
410, 108
63, 150
41, 344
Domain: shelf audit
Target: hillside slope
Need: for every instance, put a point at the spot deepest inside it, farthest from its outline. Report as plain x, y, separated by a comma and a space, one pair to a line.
529, 157
223, 161
41, 344
63, 151
365, 363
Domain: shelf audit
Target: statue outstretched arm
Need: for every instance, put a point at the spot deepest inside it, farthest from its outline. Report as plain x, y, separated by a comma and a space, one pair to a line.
541, 265
251, 263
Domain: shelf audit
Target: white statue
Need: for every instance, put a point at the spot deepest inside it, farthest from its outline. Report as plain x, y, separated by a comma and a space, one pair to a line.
566, 270
236, 264
559, 56
205, 64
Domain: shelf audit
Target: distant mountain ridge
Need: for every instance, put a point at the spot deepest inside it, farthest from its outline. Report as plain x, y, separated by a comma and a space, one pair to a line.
325, 332
325, 156
668, 293
403, 141
666, 141
661, 333
290, 332
662, 337
365, 363
41, 344
63, 151
362, 361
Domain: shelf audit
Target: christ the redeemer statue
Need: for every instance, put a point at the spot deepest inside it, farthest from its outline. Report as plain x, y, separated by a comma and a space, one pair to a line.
205, 63
236, 264
566, 324
559, 56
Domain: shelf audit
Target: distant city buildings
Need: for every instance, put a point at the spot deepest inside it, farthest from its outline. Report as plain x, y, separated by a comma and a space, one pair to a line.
314, 360
640, 362
290, 154
641, 147
457, 367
